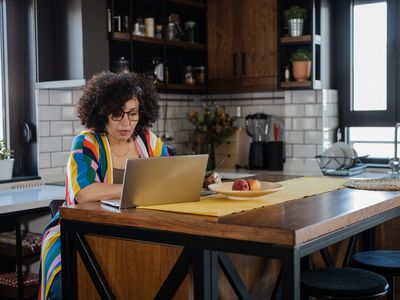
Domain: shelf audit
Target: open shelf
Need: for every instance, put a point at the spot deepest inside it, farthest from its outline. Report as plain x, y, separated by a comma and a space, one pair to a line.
189, 3
296, 84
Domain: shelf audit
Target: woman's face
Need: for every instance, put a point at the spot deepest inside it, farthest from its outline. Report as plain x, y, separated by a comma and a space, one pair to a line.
120, 127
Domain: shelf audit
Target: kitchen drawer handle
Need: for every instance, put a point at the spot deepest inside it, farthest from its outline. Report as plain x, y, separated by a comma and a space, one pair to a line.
234, 56
244, 63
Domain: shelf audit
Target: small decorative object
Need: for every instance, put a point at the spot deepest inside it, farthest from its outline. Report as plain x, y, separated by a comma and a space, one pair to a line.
158, 33
6, 161
188, 76
212, 126
301, 63
295, 16
287, 73
121, 65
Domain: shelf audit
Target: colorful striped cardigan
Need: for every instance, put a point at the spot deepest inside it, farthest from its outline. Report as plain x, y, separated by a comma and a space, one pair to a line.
90, 161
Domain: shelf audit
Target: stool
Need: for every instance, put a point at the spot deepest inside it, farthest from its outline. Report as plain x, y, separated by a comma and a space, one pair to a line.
384, 262
343, 283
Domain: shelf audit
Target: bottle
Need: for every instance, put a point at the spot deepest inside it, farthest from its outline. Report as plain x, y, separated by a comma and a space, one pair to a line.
242, 143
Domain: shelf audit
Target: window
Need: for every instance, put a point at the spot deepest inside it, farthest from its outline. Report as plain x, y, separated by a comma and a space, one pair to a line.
17, 84
368, 74
3, 111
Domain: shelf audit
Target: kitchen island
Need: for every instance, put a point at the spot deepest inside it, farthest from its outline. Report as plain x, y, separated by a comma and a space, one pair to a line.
143, 254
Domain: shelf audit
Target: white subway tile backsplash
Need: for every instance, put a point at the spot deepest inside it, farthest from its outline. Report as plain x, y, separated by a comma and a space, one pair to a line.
78, 127
330, 123
288, 97
51, 171
50, 144
294, 110
61, 97
181, 137
262, 102
59, 159
44, 160
313, 137
304, 150
263, 95
69, 113
43, 97
67, 143
330, 110
175, 124
304, 124
294, 137
309, 116
49, 113
44, 128
276, 110
61, 128
76, 95
308, 96
219, 96
313, 110
246, 96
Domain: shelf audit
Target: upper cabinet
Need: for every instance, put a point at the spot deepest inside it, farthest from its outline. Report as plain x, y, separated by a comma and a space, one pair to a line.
304, 41
164, 38
242, 45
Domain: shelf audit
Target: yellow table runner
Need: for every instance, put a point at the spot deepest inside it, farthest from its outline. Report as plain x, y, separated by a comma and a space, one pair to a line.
218, 205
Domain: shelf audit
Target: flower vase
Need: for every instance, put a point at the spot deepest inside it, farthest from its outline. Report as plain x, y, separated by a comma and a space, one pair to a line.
211, 157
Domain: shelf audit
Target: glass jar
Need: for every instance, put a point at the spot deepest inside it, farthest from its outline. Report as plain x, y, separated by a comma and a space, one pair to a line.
190, 31
159, 31
121, 65
171, 32
188, 77
200, 74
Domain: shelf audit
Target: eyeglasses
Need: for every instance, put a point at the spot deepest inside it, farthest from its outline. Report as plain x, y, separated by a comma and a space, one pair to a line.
132, 116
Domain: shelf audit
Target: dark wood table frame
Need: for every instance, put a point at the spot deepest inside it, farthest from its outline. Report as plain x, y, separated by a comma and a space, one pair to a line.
204, 253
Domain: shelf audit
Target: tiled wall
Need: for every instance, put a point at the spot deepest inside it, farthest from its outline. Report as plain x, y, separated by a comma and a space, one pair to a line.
310, 120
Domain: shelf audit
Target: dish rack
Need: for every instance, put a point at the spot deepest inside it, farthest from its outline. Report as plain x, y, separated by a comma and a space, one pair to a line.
356, 166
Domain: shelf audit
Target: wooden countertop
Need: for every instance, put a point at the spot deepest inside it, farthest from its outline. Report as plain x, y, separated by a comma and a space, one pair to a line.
290, 223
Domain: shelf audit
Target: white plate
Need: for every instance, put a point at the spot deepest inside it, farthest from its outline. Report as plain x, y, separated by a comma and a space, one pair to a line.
225, 188
339, 155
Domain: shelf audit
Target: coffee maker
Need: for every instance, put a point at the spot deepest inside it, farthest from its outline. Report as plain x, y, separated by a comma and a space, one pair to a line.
257, 129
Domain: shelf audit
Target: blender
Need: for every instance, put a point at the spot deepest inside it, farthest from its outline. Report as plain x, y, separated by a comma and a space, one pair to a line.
257, 129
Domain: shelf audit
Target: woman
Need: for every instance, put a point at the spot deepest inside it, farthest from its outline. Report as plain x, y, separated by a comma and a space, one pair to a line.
119, 110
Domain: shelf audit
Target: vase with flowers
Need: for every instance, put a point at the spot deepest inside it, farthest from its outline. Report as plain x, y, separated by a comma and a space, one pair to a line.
212, 125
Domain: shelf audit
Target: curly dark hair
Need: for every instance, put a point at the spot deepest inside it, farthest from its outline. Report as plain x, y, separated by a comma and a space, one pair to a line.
106, 93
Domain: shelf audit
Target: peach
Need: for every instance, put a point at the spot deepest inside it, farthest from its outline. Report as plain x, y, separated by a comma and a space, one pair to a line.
240, 185
254, 184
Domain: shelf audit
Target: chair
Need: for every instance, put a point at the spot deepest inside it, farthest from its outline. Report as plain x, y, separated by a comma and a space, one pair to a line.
55, 206
384, 262
343, 283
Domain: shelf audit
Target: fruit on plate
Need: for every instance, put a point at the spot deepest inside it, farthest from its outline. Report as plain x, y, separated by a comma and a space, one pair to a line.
240, 185
254, 184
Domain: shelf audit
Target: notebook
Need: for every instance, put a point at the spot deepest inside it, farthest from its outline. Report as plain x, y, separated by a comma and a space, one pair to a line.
161, 180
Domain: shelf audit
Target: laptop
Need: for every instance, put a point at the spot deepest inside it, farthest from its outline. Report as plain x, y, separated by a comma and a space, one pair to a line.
161, 180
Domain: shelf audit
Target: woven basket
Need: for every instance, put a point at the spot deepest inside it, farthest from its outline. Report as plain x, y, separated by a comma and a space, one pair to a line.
374, 184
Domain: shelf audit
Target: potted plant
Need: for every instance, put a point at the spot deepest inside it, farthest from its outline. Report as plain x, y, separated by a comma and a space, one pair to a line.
301, 64
295, 16
6, 161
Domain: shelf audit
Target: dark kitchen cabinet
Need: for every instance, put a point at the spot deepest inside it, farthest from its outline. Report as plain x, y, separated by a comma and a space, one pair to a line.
242, 45
315, 38
140, 52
